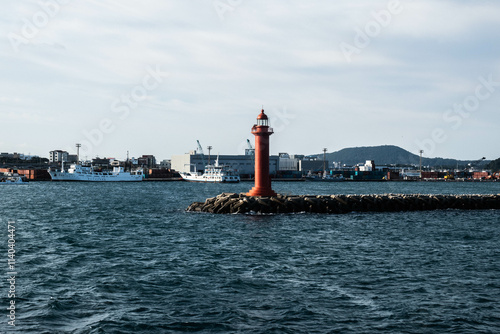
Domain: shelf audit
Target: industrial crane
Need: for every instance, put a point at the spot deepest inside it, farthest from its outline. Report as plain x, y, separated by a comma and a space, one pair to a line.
251, 150
200, 151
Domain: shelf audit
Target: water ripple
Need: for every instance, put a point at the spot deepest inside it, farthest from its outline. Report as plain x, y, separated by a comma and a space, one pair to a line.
122, 258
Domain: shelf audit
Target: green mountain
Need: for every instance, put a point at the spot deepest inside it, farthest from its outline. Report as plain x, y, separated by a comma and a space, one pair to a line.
392, 155
494, 165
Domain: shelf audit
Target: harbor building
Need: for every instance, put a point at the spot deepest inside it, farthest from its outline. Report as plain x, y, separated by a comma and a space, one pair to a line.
244, 164
14, 155
281, 164
166, 163
314, 165
368, 166
147, 160
289, 162
60, 155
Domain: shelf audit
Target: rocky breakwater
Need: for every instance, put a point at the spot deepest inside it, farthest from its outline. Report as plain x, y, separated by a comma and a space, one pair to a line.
334, 204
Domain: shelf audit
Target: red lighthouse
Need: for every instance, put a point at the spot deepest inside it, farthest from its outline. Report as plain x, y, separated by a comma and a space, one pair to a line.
262, 131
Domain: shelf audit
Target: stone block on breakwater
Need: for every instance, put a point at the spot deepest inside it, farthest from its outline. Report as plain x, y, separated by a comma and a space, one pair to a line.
241, 203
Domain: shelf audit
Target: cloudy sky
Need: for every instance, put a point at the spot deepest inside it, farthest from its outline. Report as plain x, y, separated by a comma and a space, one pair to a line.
152, 77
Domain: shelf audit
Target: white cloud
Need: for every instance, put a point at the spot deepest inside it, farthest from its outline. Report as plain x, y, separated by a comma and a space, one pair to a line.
281, 53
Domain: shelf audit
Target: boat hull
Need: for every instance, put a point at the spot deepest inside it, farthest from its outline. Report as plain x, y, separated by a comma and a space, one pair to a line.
13, 181
201, 179
107, 179
78, 173
95, 178
210, 181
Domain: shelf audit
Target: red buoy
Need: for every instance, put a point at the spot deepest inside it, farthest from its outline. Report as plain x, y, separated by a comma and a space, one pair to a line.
262, 131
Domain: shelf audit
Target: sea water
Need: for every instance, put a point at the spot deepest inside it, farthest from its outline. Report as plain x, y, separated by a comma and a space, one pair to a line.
127, 258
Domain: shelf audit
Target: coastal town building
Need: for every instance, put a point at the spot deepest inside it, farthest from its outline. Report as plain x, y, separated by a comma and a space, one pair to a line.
16, 155
166, 163
289, 162
60, 155
148, 161
244, 164
314, 165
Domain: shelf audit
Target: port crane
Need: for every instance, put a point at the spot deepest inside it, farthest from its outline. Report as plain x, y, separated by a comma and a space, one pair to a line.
251, 150
200, 151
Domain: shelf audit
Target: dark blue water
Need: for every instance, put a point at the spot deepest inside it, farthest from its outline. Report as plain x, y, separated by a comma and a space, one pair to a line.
126, 258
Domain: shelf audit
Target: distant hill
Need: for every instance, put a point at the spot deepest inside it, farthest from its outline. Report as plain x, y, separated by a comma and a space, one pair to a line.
389, 155
494, 165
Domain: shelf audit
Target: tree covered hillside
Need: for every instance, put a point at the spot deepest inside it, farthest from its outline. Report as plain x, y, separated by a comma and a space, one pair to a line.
494, 165
389, 155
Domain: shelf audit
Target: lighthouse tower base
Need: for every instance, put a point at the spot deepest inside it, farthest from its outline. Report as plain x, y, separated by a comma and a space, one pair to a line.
261, 191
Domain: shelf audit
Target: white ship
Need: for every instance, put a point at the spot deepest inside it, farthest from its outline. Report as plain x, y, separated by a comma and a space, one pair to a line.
77, 172
213, 173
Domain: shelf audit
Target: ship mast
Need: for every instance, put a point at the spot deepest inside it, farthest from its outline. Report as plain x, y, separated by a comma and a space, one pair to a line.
324, 162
